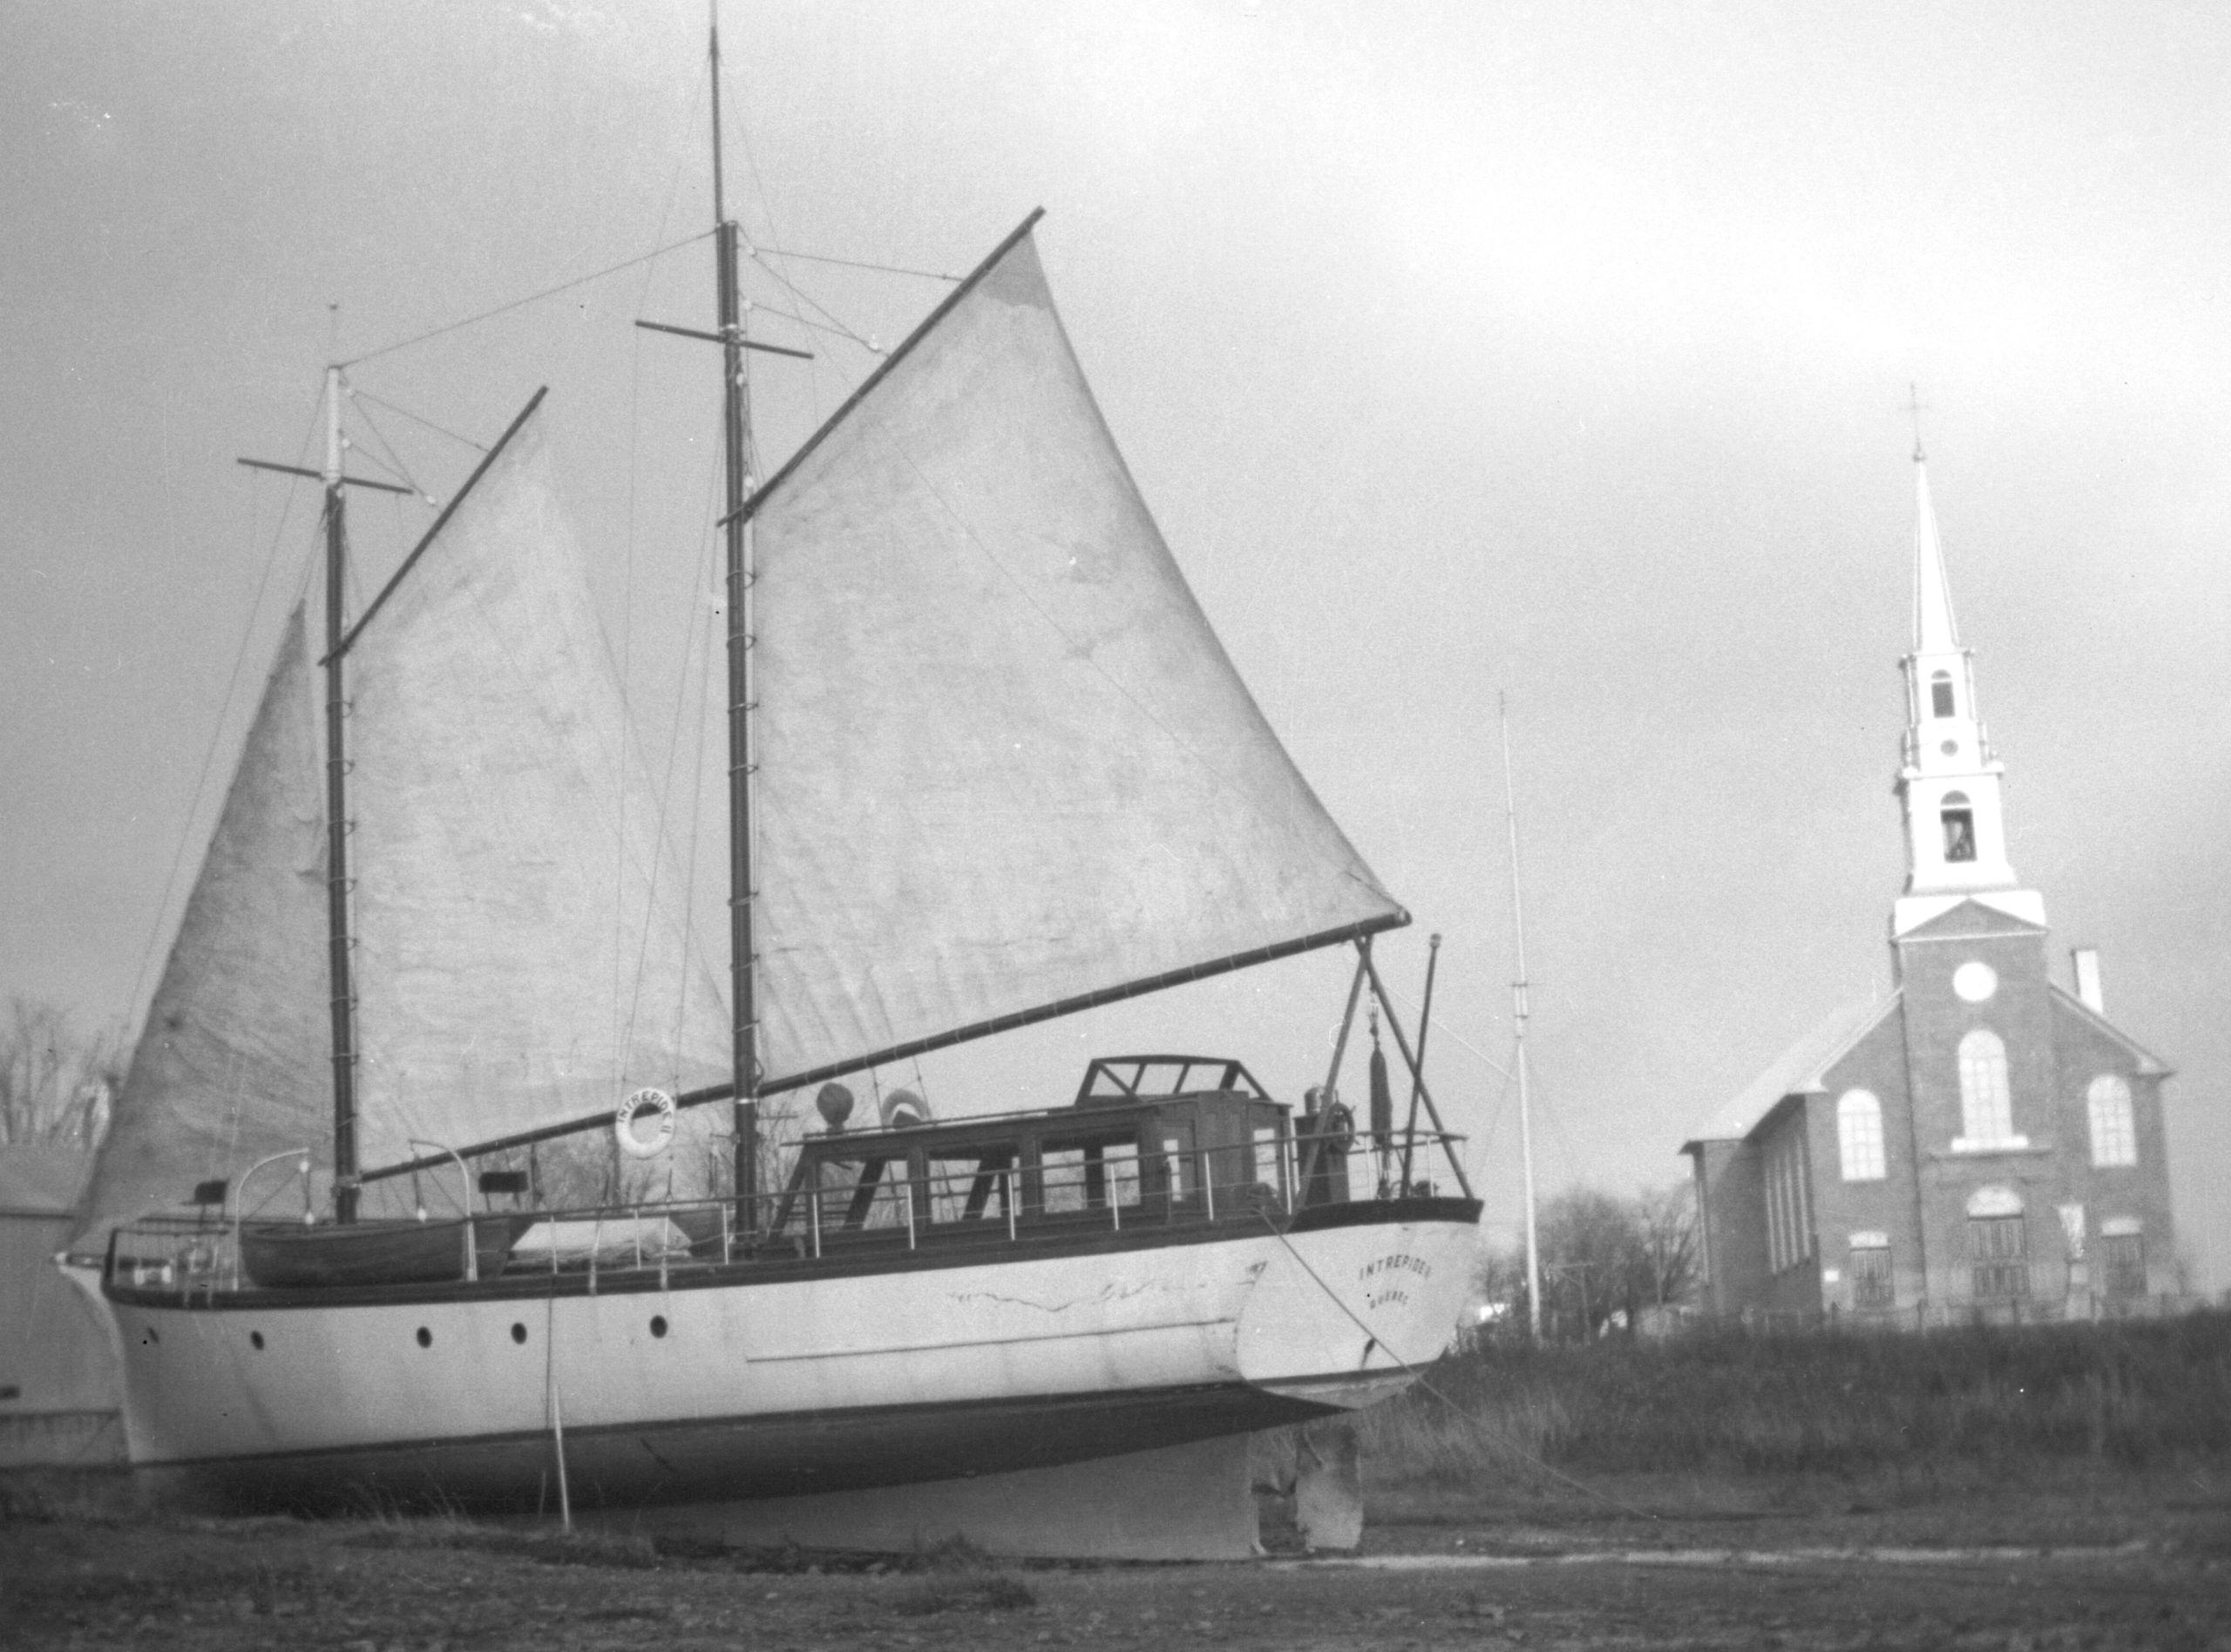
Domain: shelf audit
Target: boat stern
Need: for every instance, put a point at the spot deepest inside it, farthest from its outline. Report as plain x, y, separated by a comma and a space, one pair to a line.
1357, 1299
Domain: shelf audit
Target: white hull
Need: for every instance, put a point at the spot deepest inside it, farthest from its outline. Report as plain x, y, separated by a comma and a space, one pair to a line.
704, 1384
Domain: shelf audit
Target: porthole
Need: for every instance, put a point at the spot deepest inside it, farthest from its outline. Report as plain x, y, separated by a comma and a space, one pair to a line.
255, 1339
425, 1337
658, 1325
518, 1333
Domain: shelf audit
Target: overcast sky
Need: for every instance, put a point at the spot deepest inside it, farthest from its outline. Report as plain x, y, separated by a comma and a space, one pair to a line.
1557, 349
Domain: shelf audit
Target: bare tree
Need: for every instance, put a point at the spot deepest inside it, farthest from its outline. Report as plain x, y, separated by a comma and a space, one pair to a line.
1587, 1245
1604, 1259
54, 1082
1666, 1221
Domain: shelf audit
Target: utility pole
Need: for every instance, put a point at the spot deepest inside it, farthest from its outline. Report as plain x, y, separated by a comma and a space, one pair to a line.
1518, 1013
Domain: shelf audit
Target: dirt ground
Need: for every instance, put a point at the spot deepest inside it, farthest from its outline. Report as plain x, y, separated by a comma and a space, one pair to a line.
1629, 1565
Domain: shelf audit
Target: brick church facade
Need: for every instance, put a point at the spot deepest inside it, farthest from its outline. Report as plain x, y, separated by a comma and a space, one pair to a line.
1981, 1142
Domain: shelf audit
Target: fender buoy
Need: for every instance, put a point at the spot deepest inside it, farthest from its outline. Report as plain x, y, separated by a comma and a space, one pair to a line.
623, 1124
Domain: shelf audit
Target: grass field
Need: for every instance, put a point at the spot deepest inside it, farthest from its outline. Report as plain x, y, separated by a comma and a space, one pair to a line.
2008, 1405
2038, 1487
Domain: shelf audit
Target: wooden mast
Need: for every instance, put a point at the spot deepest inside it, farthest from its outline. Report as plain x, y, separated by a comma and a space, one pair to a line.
736, 443
336, 817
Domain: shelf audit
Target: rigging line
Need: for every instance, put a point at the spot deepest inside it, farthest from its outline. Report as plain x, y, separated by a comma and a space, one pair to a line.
854, 263
627, 569
831, 323
797, 295
1447, 1031
357, 395
1426, 1382
1483, 1146
751, 160
703, 678
224, 709
666, 794
531, 298
394, 466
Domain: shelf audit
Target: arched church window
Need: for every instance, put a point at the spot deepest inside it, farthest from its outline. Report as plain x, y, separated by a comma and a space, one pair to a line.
1959, 824
2114, 1137
1940, 694
1859, 1135
1986, 1104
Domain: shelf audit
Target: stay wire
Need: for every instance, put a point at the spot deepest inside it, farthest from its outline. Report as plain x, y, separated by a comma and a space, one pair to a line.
830, 323
1426, 1382
666, 795
627, 640
1447, 1031
357, 395
393, 463
209, 755
531, 298
855, 263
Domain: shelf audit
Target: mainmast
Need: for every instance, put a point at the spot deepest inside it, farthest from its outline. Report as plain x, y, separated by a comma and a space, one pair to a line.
736, 446
336, 817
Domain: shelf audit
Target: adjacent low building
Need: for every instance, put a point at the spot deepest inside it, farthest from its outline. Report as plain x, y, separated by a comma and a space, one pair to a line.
59, 1392
1981, 1140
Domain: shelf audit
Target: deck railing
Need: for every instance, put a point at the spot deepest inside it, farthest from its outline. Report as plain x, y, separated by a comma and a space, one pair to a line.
996, 1209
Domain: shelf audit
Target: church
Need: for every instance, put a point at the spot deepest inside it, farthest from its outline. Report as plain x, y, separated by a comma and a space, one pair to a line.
1983, 1141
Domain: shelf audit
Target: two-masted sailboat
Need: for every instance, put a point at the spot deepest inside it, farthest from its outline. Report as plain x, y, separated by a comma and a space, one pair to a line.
989, 765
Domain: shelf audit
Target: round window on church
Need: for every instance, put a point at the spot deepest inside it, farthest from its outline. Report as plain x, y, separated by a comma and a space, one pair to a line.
1975, 980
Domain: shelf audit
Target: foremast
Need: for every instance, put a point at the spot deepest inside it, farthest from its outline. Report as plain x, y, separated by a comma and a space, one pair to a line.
735, 415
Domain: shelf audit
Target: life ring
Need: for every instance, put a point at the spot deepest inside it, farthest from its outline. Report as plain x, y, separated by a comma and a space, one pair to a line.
1338, 1126
623, 1124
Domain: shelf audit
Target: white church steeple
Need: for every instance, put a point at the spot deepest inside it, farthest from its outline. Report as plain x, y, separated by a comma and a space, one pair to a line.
1948, 779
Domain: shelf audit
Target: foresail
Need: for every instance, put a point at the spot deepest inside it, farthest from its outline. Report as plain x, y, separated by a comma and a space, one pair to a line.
1004, 764
233, 1063
522, 954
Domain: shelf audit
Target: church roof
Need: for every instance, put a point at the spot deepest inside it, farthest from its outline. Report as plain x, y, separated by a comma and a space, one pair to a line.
1799, 1070
2149, 1064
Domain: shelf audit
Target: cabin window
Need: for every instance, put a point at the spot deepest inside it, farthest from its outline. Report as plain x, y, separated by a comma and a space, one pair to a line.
1940, 694
1986, 1104
2122, 1264
969, 1184
1870, 1276
1958, 821
2114, 1136
1088, 1173
1998, 1251
1181, 1170
1859, 1135
855, 1194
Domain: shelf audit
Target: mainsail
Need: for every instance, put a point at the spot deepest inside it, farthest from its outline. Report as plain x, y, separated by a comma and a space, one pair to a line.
523, 956
1005, 766
233, 1063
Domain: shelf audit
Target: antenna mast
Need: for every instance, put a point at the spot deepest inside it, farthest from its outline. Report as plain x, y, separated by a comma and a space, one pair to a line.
1518, 1013
735, 417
